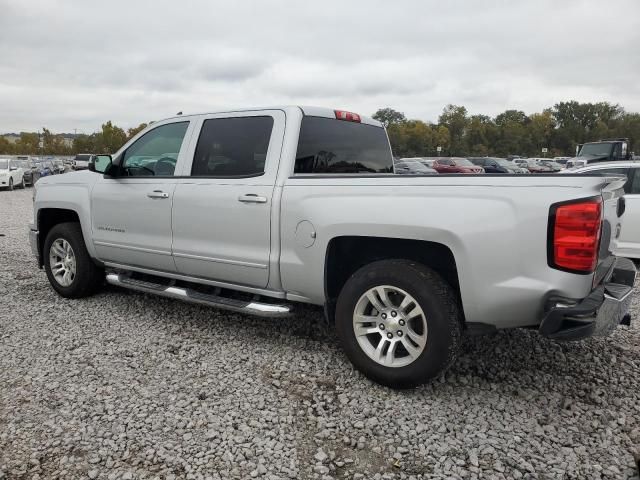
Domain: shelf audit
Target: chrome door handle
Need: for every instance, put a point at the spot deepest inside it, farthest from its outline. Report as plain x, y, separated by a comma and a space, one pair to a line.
158, 194
252, 198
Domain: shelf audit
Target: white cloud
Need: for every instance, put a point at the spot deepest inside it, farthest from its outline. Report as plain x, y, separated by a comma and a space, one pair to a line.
76, 64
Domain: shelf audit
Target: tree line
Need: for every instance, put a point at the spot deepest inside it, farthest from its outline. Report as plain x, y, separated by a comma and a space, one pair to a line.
559, 129
109, 139
512, 132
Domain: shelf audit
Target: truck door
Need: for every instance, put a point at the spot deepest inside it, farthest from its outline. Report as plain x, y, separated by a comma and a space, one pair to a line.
223, 202
131, 213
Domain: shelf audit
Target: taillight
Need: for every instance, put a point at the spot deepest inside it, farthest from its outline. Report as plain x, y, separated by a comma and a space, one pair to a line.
574, 230
348, 116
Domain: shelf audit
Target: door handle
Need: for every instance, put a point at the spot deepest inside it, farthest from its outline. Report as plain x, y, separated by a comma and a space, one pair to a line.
252, 198
158, 194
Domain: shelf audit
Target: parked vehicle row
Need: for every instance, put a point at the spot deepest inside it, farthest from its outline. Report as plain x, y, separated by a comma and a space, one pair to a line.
474, 165
26, 170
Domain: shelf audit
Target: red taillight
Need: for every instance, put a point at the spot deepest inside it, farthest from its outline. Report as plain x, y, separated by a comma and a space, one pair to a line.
575, 231
348, 116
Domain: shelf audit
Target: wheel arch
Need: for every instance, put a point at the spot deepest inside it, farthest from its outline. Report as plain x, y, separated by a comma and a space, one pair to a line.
47, 218
346, 254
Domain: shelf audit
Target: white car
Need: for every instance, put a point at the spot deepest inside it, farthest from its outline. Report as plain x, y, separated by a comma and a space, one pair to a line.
81, 161
11, 174
629, 239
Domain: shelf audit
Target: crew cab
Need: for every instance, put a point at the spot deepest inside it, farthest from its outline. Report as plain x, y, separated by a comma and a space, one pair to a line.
257, 211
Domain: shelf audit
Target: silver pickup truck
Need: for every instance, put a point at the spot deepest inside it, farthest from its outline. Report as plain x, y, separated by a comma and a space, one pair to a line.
257, 210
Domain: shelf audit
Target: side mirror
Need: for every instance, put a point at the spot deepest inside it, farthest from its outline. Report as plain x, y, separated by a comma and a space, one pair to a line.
99, 163
12, 169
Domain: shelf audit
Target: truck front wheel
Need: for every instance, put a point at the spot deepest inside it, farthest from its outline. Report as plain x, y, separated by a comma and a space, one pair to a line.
69, 267
399, 322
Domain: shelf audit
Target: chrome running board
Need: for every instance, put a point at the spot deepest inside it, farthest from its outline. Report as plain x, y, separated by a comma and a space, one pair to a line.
189, 295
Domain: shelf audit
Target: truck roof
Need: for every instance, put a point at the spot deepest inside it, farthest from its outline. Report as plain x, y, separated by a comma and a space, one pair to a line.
306, 110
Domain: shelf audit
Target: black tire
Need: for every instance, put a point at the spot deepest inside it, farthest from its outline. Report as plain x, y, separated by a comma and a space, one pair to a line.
10, 183
439, 304
88, 277
22, 183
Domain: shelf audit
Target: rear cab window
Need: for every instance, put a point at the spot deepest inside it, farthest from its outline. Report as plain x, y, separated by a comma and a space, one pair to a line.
332, 146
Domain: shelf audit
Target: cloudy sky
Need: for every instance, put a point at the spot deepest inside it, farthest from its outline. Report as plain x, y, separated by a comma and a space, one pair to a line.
72, 65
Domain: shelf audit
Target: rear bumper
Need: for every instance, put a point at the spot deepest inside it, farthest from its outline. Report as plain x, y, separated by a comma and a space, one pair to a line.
606, 307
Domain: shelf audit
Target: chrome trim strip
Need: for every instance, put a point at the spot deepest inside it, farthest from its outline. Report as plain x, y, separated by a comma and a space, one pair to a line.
203, 281
128, 247
219, 260
251, 308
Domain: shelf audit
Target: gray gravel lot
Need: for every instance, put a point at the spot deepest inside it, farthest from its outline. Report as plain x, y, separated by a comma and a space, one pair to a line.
126, 386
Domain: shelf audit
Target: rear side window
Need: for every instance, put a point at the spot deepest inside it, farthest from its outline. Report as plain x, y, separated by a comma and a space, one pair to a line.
231, 147
327, 145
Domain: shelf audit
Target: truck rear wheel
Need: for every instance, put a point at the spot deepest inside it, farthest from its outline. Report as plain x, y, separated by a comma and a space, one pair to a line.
70, 269
399, 322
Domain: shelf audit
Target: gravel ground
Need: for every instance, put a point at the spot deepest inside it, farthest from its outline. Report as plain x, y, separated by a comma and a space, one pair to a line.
127, 386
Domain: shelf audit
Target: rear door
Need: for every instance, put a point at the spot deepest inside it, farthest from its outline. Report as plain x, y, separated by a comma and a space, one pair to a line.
222, 204
131, 213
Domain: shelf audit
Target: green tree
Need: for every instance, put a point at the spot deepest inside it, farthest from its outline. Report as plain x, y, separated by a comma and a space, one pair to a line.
113, 137
28, 143
132, 132
454, 117
389, 116
6, 147
442, 138
541, 127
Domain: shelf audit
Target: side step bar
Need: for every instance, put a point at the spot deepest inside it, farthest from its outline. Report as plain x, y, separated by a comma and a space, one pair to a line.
192, 296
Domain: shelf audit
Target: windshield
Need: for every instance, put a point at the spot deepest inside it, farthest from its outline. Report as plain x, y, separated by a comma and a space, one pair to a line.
596, 149
4, 164
462, 162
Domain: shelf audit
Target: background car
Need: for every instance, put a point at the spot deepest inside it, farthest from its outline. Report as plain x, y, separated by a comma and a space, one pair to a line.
628, 243
81, 161
11, 174
412, 167
59, 165
30, 174
532, 165
555, 166
455, 165
44, 168
496, 165
426, 161
575, 163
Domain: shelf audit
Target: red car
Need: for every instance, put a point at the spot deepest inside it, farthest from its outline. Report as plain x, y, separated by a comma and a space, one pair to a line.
455, 165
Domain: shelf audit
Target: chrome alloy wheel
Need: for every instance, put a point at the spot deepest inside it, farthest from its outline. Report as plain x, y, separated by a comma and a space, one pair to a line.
390, 326
62, 261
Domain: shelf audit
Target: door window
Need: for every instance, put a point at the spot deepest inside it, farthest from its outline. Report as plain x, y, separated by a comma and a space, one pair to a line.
156, 152
232, 147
